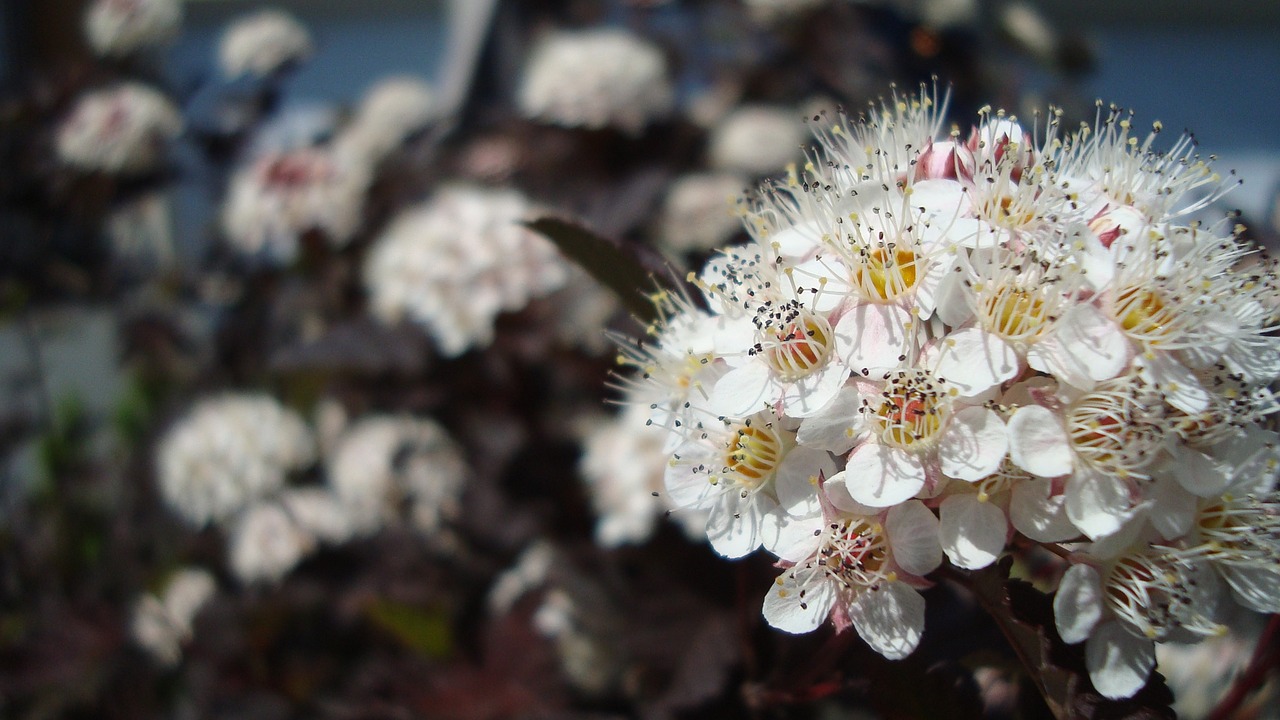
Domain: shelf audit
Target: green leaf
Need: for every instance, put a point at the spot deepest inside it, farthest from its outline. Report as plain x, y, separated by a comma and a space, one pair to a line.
423, 630
612, 265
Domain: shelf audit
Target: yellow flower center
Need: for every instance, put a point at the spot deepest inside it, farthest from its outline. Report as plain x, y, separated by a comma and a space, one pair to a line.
886, 273
804, 346
753, 455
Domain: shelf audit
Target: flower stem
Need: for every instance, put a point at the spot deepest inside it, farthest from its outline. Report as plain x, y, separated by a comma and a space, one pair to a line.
1263, 661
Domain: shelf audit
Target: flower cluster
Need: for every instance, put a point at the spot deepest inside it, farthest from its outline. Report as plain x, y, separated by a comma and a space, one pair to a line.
121, 27
936, 341
125, 128
262, 43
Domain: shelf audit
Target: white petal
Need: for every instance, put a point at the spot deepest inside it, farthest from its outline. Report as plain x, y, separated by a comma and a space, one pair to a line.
1119, 662
812, 394
837, 492
890, 619
972, 532
880, 476
912, 531
744, 390
1038, 514
1077, 606
1257, 588
832, 428
786, 610
973, 445
1179, 385
1097, 503
973, 361
1198, 473
1085, 346
734, 524
790, 537
872, 337
1172, 509
796, 480
1038, 443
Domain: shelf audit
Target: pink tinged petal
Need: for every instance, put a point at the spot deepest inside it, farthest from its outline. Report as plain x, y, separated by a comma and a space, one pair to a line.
881, 477
744, 390
912, 532
832, 427
792, 538
1257, 588
1119, 662
972, 531
1038, 443
1179, 385
812, 394
1172, 509
1097, 503
735, 524
973, 445
890, 619
872, 336
796, 481
1035, 512
1077, 606
789, 611
1085, 347
973, 361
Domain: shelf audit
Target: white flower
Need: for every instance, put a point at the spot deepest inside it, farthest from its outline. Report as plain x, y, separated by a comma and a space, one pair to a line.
1121, 608
162, 624
756, 140
390, 112
623, 462
458, 261
701, 211
262, 43
382, 463
126, 128
280, 196
594, 79
855, 571
266, 543
228, 452
121, 27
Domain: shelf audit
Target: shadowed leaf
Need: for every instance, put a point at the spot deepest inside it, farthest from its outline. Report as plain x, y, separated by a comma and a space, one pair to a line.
425, 631
607, 261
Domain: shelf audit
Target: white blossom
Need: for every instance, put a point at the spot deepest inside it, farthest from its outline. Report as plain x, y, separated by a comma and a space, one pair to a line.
124, 128
228, 452
262, 43
756, 140
121, 27
594, 79
389, 113
701, 211
162, 623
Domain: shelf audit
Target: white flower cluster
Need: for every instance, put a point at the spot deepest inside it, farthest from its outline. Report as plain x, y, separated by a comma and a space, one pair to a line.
596, 78
281, 195
161, 624
383, 463
756, 140
456, 262
121, 27
228, 453
390, 112
262, 43
937, 341
125, 128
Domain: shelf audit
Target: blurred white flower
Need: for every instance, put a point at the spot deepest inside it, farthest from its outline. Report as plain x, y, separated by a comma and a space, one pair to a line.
280, 196
262, 43
594, 79
120, 27
228, 452
757, 140
126, 128
456, 262
701, 211
623, 462
266, 543
390, 112
161, 624
583, 309
382, 463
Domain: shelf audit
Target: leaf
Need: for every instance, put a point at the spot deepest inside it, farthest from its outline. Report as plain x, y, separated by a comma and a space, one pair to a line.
426, 631
1025, 616
607, 261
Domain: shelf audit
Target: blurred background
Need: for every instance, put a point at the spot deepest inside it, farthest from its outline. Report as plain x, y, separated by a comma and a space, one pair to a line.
297, 422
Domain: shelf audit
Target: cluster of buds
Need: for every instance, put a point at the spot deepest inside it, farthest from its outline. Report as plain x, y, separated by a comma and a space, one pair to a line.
935, 342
